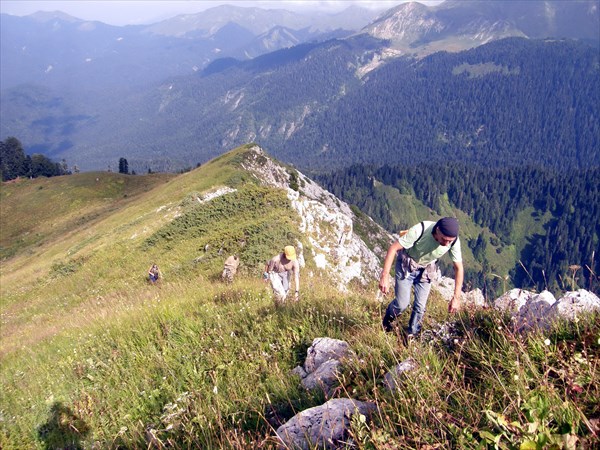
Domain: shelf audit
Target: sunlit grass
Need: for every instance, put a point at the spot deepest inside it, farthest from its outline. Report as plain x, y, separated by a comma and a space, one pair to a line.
93, 356
209, 366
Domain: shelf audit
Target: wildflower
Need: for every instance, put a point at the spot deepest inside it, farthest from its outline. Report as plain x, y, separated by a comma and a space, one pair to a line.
516, 377
215, 390
547, 342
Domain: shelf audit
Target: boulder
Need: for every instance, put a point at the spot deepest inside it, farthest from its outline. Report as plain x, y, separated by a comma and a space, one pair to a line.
324, 359
513, 300
575, 303
535, 312
324, 426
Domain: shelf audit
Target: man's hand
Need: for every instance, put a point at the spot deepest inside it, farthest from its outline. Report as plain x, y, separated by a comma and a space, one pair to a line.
454, 305
384, 280
384, 283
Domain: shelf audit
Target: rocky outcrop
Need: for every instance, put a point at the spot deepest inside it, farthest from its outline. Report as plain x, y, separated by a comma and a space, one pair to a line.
326, 221
531, 310
445, 286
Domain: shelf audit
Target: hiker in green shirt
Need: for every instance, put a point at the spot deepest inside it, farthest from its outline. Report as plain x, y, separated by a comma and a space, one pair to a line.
417, 252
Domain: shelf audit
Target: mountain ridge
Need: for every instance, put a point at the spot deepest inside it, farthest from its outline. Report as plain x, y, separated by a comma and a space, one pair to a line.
291, 106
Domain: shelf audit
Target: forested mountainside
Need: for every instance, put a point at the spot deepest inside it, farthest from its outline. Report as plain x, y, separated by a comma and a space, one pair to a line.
559, 252
511, 102
329, 105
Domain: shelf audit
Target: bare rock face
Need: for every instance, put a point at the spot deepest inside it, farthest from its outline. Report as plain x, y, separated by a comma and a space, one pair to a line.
326, 221
324, 426
324, 359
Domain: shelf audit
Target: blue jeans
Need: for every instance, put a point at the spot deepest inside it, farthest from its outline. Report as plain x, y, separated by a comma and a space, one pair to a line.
404, 283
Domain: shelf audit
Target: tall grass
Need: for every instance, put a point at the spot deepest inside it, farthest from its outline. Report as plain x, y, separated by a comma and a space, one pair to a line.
209, 367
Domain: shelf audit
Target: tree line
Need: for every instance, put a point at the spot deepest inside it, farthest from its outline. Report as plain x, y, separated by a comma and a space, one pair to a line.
15, 163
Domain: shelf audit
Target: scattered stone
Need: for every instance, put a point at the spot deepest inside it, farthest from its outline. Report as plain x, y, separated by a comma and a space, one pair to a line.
391, 379
324, 359
324, 426
448, 332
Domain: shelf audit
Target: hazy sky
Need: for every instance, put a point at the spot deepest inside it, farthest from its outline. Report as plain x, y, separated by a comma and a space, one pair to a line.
136, 12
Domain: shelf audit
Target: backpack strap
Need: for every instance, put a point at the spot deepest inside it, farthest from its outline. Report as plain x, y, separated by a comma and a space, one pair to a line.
421, 235
403, 232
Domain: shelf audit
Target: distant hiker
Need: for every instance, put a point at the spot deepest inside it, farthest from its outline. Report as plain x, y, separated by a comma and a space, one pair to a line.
278, 272
230, 268
417, 252
154, 274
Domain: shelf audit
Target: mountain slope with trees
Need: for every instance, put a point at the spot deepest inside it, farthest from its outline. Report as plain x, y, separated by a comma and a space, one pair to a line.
559, 253
510, 102
516, 98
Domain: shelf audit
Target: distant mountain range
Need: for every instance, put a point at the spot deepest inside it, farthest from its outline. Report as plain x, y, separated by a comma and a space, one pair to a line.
56, 50
184, 90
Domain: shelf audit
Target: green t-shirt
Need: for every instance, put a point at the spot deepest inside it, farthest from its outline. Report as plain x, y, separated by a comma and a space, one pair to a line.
427, 249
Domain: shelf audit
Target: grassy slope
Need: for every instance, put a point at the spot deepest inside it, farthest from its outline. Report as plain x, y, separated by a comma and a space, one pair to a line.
92, 354
98, 262
63, 205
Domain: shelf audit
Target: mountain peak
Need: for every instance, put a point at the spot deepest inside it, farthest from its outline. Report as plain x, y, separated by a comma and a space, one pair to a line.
460, 24
47, 16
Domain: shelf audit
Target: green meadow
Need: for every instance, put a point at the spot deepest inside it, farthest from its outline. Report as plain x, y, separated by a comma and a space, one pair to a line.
92, 356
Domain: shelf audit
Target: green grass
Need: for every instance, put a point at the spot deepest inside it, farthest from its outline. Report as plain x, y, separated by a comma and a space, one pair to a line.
63, 204
528, 223
209, 367
93, 356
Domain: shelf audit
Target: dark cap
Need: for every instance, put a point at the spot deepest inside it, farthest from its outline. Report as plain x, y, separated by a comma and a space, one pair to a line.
448, 226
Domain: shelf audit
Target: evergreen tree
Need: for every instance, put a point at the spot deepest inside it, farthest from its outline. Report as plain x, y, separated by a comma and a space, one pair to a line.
123, 166
12, 159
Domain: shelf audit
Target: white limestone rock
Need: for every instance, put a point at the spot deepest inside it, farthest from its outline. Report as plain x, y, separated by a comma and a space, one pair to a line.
326, 221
